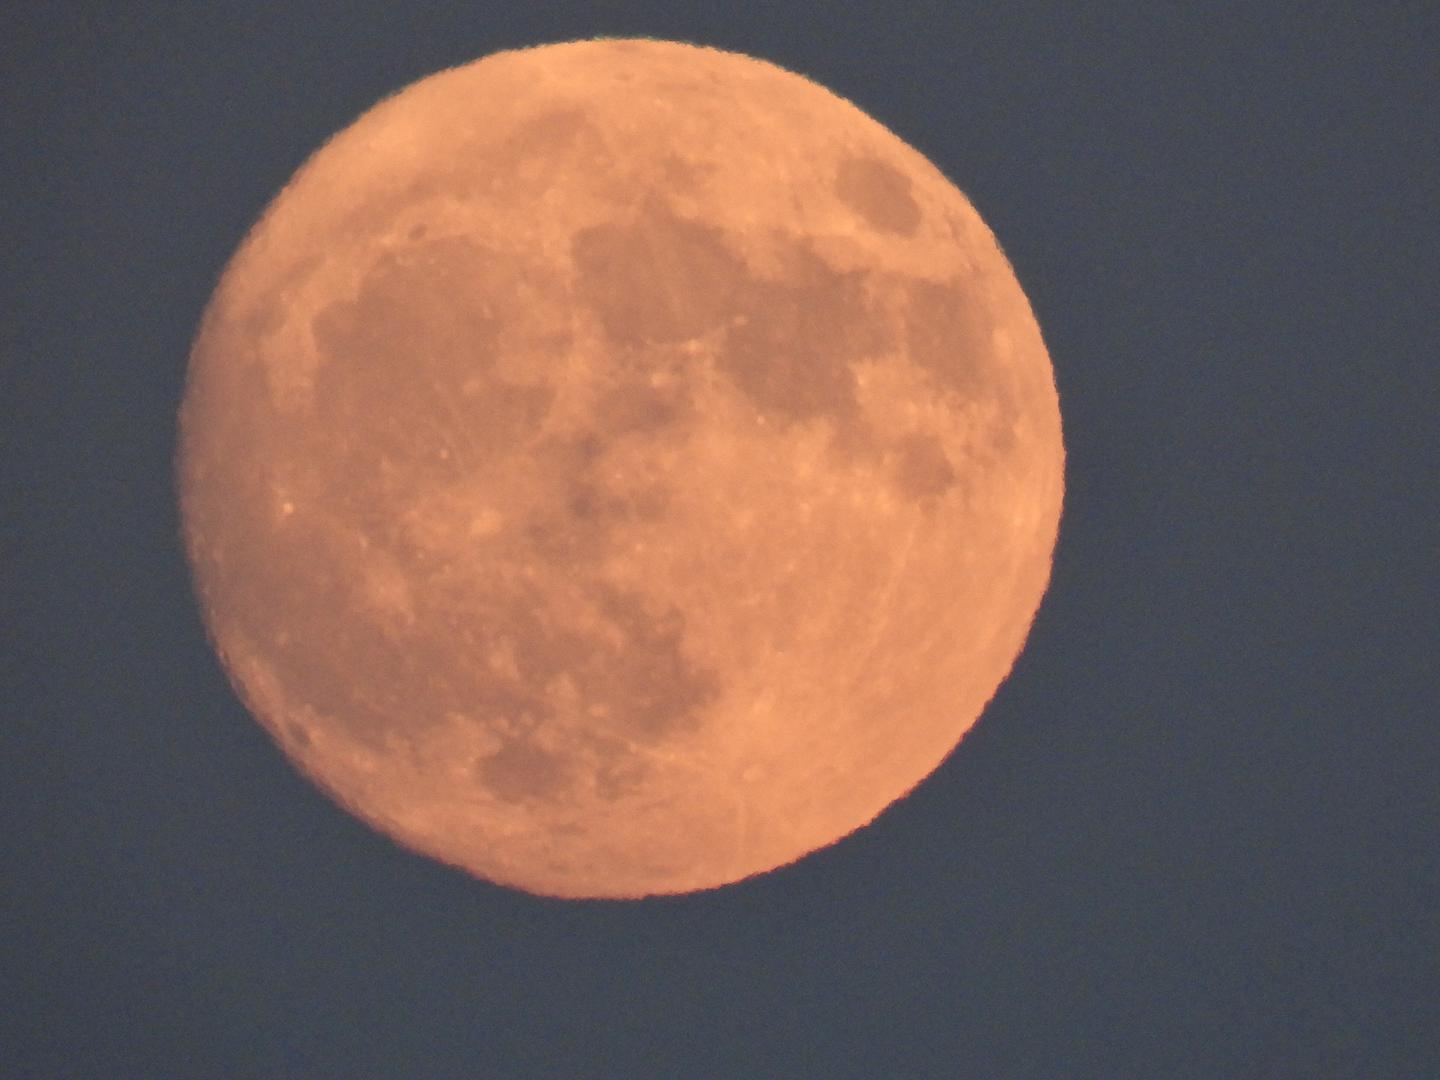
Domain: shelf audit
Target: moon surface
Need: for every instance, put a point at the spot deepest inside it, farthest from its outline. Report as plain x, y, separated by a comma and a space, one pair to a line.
619, 467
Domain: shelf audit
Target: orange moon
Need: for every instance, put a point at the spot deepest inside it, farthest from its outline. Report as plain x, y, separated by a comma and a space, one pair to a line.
618, 467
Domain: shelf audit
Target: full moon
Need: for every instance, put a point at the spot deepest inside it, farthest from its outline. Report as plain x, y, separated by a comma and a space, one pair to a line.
618, 468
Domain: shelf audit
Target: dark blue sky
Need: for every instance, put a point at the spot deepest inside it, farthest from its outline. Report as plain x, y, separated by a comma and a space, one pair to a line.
1197, 833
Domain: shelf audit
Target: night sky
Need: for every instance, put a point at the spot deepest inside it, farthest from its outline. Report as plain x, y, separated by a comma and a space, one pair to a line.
1197, 834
